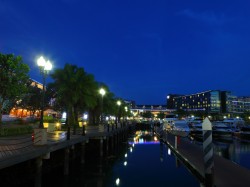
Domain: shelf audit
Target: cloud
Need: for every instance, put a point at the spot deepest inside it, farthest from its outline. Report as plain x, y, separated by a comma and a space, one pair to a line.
207, 17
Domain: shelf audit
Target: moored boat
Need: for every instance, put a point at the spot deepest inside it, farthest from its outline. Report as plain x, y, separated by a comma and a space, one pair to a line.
195, 125
221, 130
234, 123
179, 128
168, 121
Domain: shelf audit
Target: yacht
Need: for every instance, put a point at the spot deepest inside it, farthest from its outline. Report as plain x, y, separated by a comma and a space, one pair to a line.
195, 125
221, 130
168, 121
179, 128
234, 123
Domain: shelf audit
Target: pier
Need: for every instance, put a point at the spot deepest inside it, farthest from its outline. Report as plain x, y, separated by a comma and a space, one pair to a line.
20, 149
226, 172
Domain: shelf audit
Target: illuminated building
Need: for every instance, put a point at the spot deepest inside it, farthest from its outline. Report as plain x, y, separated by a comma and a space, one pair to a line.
212, 101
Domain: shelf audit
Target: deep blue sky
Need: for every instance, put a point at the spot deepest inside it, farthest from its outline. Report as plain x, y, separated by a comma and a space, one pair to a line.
142, 49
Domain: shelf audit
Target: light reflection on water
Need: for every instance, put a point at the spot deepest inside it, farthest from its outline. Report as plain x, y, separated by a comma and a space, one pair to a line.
142, 161
150, 163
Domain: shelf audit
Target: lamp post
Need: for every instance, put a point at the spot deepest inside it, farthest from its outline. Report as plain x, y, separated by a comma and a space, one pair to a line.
119, 104
102, 92
45, 67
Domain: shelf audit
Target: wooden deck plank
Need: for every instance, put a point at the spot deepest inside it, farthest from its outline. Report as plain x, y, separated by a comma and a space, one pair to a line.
14, 150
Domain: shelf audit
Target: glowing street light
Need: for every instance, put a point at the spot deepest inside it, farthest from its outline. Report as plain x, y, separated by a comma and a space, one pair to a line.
119, 104
102, 92
45, 67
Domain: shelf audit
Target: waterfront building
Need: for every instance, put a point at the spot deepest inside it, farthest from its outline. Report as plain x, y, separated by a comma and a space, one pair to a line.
19, 111
238, 104
211, 101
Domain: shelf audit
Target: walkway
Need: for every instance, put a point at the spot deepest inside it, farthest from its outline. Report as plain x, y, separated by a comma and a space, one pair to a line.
226, 172
14, 150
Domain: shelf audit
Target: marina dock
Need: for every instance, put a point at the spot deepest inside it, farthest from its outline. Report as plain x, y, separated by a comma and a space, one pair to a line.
226, 172
15, 150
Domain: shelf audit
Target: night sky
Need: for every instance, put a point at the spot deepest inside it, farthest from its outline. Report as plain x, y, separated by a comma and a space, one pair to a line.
142, 49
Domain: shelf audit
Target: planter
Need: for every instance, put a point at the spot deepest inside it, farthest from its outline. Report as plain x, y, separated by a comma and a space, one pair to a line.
81, 123
51, 127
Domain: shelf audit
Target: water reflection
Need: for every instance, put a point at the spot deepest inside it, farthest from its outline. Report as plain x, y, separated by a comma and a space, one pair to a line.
142, 161
144, 137
152, 164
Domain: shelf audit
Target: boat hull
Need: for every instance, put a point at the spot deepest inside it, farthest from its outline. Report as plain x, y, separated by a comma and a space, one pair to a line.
179, 133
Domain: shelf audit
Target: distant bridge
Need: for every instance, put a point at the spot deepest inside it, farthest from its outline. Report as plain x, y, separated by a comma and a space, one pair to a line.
155, 109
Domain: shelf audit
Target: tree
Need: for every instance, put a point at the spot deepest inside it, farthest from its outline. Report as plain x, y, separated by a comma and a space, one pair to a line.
108, 104
147, 114
161, 115
32, 99
75, 90
13, 80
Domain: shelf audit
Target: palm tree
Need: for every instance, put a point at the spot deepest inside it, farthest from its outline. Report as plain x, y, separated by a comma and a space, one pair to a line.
108, 105
74, 91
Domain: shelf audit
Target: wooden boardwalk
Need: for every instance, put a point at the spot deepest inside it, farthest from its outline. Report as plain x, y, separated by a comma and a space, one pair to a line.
226, 172
14, 150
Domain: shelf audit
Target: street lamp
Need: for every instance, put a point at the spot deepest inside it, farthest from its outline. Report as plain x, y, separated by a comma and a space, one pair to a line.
45, 67
102, 92
119, 104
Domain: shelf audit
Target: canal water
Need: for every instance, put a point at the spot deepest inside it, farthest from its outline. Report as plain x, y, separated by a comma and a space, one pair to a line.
140, 161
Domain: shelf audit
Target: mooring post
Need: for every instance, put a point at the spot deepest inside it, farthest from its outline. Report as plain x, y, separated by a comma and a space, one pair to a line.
38, 178
83, 153
107, 146
66, 161
208, 153
176, 141
101, 147
177, 162
112, 142
73, 151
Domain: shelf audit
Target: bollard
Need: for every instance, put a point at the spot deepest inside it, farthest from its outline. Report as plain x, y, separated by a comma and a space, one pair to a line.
208, 152
177, 141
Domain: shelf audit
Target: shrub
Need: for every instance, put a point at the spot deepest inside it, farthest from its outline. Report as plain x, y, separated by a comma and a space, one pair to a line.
12, 131
49, 119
